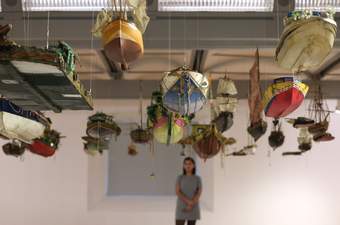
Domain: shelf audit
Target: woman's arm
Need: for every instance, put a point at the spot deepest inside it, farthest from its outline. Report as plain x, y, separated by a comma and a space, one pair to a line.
181, 196
197, 196
198, 193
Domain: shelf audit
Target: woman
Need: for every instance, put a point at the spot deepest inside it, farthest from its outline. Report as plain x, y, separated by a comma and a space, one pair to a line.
188, 191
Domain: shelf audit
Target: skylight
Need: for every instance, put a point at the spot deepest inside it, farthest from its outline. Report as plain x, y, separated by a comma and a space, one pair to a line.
317, 5
67, 5
216, 5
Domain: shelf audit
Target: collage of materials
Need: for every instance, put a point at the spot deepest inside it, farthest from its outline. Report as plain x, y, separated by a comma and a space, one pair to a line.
307, 39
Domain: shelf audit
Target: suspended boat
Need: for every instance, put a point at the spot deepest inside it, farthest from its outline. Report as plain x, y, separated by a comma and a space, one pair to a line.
258, 126
19, 124
47, 145
307, 39
122, 41
283, 97
184, 91
122, 37
226, 87
101, 125
301, 122
318, 110
246, 150
225, 104
206, 140
36, 71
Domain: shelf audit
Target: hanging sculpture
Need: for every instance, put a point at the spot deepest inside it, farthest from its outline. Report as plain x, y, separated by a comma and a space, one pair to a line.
101, 125
121, 37
19, 124
184, 91
100, 129
280, 99
92, 146
140, 135
305, 143
46, 145
276, 137
283, 97
225, 104
320, 113
258, 126
246, 150
307, 39
14, 148
207, 141
167, 127
301, 122
132, 150
36, 71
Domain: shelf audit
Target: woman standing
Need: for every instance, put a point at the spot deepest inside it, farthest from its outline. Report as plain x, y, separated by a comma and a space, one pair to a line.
188, 191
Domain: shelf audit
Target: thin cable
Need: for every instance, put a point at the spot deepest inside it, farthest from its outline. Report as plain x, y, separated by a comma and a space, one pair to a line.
48, 29
141, 103
277, 20
169, 30
184, 44
28, 28
91, 60
24, 17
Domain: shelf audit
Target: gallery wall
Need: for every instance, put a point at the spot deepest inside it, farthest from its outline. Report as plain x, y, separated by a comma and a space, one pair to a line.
263, 189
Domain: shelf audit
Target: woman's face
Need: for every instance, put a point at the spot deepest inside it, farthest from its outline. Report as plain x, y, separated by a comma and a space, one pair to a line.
188, 166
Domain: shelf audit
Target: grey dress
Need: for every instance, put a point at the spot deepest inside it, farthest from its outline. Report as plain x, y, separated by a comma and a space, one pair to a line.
188, 186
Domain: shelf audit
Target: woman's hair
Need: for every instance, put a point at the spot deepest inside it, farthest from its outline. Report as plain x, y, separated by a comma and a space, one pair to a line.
193, 162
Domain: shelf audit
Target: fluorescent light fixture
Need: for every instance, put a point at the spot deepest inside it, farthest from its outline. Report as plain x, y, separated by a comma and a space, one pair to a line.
68, 5
319, 5
216, 5
72, 95
6, 81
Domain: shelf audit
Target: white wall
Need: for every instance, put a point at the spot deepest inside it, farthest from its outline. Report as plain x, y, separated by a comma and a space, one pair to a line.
255, 190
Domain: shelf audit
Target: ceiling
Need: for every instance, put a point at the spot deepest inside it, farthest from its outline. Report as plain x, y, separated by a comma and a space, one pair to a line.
212, 42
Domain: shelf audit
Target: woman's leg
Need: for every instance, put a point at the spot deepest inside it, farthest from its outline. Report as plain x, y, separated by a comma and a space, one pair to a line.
191, 222
180, 222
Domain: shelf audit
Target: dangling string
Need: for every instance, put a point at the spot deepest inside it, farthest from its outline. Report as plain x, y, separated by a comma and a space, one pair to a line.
185, 40
277, 20
92, 56
28, 28
169, 31
115, 5
141, 103
24, 16
48, 30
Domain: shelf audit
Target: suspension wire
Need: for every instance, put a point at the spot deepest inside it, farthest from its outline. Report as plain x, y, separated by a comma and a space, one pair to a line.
24, 18
48, 29
141, 103
169, 44
92, 56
